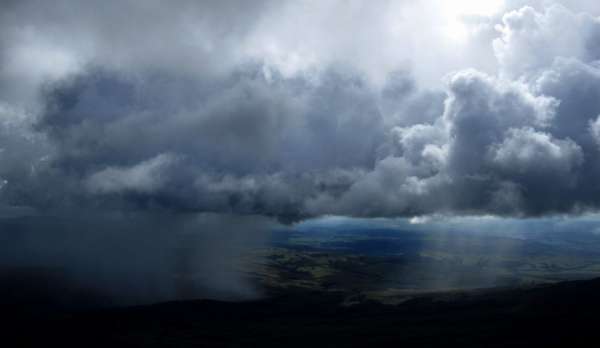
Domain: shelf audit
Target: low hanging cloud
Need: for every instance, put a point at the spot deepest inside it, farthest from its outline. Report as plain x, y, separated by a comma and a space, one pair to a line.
228, 121
145, 177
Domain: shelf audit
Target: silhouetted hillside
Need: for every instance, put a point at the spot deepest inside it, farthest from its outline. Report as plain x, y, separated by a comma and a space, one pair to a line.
561, 315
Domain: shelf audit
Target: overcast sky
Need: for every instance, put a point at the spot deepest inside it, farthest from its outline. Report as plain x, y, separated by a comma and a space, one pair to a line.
298, 109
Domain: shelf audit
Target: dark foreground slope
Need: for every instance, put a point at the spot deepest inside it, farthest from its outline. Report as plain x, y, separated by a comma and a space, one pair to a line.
562, 315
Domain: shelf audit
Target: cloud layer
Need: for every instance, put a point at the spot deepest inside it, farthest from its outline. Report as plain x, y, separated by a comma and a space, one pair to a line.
299, 109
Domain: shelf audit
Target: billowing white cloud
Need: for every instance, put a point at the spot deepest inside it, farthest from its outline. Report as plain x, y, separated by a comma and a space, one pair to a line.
526, 152
530, 40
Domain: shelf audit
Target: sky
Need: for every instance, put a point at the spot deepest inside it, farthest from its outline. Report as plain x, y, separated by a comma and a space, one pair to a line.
300, 109
294, 110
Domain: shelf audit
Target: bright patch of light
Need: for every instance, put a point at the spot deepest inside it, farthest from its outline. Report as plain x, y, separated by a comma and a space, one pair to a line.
418, 220
36, 57
455, 11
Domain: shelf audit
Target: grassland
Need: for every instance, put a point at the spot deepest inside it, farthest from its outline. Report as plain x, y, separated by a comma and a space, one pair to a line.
392, 266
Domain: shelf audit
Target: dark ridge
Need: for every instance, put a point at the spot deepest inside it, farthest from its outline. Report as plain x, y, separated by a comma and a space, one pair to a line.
559, 315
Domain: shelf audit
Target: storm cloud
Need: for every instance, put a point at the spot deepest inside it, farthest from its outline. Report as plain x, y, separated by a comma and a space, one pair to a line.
227, 107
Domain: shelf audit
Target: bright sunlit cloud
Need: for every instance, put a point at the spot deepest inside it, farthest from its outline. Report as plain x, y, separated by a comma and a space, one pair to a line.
455, 12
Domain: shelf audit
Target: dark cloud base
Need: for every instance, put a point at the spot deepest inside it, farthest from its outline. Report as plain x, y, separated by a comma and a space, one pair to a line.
292, 149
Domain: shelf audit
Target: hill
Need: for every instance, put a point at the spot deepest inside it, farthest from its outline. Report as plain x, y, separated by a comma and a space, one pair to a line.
560, 315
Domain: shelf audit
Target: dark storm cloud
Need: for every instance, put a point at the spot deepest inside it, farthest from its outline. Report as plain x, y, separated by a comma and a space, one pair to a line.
245, 144
180, 113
